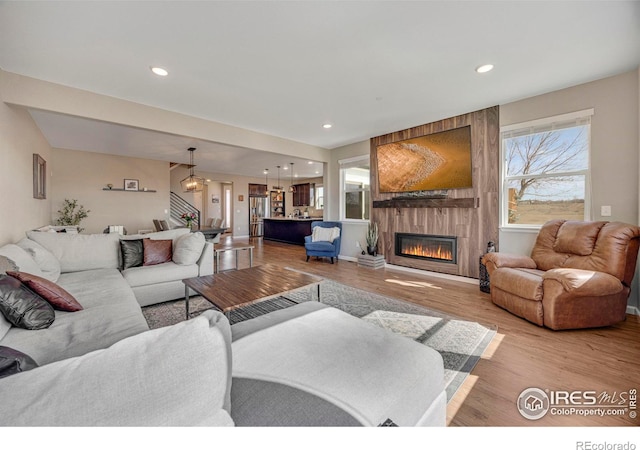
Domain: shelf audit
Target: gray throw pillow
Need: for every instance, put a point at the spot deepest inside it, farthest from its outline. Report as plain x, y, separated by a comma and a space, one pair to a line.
13, 361
132, 253
23, 307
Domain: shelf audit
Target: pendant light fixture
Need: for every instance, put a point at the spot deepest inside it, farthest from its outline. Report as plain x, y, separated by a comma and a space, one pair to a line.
278, 187
292, 188
266, 182
192, 183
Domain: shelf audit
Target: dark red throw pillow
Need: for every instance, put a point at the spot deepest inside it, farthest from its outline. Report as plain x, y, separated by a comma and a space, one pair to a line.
56, 296
157, 251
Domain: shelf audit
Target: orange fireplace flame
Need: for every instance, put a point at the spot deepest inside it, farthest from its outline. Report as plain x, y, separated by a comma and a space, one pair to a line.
429, 251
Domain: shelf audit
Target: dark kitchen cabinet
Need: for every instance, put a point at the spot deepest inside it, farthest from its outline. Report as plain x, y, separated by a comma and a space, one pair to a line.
257, 190
303, 196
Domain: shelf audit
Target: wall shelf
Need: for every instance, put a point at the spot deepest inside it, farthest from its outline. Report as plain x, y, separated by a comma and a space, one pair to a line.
471, 202
127, 190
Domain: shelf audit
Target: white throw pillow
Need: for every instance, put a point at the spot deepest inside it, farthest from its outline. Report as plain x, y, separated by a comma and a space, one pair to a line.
188, 248
325, 234
22, 258
47, 262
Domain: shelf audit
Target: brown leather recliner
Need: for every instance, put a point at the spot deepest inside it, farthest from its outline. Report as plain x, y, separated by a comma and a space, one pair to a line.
578, 276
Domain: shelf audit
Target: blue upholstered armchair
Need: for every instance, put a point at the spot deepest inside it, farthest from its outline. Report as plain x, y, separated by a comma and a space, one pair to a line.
323, 248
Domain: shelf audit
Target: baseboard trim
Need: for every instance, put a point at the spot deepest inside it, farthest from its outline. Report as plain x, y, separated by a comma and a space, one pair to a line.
633, 310
433, 274
419, 271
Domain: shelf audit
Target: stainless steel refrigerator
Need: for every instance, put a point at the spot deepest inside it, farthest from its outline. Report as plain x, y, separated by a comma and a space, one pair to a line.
258, 209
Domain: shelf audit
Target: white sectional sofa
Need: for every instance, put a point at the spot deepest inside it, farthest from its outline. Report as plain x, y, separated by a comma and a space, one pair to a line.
305, 365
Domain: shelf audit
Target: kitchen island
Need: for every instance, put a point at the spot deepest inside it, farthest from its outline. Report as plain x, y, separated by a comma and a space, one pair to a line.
291, 231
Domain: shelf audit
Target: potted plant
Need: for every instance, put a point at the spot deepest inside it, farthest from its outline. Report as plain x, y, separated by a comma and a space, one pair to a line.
372, 239
70, 216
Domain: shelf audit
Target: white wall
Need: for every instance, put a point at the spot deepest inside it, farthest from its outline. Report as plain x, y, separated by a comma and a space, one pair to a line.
83, 175
20, 138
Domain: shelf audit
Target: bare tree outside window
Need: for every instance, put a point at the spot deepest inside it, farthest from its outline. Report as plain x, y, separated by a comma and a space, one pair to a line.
546, 173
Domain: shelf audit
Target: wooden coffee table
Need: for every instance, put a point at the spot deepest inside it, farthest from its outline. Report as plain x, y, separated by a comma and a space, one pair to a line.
234, 289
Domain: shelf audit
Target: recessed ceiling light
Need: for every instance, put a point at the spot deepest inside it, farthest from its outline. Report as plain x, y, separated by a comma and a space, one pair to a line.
327, 125
310, 162
484, 68
160, 71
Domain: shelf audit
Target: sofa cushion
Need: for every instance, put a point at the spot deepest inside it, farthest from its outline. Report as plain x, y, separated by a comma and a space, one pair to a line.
48, 290
23, 307
157, 251
13, 361
46, 261
525, 283
111, 313
577, 238
160, 273
21, 258
135, 382
77, 252
132, 253
320, 246
188, 248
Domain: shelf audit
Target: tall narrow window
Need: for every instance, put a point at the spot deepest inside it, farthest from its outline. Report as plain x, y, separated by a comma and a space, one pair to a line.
319, 196
545, 172
354, 188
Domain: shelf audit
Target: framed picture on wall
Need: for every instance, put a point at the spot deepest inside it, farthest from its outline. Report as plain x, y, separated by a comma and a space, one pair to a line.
130, 185
39, 177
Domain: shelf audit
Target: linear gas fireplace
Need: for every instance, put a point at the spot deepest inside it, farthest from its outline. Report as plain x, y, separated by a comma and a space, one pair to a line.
427, 247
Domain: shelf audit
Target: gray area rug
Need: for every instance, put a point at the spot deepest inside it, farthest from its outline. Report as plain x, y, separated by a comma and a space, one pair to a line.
460, 342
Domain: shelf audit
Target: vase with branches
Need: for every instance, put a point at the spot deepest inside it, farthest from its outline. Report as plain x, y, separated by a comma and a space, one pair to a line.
372, 239
72, 214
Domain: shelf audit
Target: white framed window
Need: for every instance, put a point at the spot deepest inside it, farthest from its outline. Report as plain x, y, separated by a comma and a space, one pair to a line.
319, 196
354, 188
545, 170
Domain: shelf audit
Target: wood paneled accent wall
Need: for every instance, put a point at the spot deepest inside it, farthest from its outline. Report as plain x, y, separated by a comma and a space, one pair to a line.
474, 223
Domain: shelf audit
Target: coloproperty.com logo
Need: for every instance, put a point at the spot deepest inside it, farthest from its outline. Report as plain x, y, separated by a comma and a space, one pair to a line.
535, 403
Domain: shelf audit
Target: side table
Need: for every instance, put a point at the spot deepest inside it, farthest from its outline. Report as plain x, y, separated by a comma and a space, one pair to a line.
236, 249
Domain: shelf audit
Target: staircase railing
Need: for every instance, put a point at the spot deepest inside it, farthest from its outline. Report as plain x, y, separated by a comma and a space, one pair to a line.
179, 206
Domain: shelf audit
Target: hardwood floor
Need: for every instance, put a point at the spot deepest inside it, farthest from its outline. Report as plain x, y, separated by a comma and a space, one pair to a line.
522, 355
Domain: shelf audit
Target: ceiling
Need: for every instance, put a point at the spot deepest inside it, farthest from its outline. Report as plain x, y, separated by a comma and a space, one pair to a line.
287, 68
